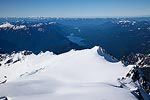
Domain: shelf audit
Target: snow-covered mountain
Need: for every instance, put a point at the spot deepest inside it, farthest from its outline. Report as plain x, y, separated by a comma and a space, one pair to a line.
75, 75
9, 25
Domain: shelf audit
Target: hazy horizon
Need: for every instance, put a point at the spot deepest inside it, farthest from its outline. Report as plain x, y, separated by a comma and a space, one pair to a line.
78, 17
75, 8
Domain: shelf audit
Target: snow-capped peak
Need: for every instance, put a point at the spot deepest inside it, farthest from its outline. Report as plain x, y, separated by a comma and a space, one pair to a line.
6, 25
37, 25
19, 27
14, 27
124, 21
127, 22
52, 22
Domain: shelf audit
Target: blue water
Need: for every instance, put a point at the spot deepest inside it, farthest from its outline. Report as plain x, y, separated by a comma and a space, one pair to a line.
77, 40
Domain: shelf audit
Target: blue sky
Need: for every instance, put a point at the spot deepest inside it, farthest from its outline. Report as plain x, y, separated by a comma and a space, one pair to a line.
74, 8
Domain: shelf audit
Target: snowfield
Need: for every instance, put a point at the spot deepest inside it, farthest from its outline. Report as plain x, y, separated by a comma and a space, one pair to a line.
75, 75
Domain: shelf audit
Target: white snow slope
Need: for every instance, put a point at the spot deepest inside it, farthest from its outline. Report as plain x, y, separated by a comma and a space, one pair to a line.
75, 75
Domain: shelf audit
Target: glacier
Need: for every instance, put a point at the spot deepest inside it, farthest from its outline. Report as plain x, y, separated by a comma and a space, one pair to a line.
75, 75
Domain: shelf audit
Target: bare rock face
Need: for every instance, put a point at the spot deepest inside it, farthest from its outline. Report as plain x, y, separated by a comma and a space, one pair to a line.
106, 55
140, 59
3, 98
7, 59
